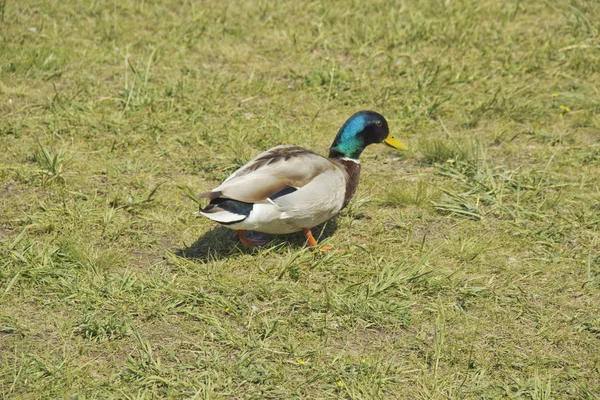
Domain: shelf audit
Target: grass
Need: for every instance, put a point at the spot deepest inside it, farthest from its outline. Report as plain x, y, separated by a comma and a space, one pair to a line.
472, 267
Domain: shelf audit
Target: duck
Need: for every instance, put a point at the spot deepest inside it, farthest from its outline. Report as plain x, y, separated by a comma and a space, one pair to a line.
289, 189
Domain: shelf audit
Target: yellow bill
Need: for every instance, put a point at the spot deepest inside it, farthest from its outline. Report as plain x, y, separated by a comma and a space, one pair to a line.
395, 143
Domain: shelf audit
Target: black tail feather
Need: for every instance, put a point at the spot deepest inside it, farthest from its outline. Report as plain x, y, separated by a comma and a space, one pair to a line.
233, 206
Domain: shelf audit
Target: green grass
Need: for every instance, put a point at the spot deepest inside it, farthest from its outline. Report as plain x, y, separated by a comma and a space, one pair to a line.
472, 266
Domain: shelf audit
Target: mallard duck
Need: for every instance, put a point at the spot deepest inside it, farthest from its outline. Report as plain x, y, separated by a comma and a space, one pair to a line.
289, 189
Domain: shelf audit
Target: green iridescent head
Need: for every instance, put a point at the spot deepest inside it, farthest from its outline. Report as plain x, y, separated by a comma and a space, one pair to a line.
359, 131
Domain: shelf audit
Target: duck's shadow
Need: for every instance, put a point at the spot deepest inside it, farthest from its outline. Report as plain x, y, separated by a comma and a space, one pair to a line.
221, 242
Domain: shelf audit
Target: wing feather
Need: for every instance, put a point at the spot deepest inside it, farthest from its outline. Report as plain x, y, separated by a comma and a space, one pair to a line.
271, 172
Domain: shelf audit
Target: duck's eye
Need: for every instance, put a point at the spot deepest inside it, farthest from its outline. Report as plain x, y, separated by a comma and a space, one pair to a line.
378, 123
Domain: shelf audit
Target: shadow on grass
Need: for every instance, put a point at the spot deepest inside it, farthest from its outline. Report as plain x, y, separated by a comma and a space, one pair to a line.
220, 242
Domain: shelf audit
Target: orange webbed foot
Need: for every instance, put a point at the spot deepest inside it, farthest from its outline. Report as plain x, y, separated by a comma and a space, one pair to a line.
250, 242
310, 240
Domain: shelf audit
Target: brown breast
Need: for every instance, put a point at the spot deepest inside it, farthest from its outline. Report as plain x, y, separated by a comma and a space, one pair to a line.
353, 170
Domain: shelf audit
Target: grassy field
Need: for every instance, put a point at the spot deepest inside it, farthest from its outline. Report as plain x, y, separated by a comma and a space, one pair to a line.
472, 266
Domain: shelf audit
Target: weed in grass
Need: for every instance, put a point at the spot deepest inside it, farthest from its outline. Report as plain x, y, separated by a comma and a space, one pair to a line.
542, 390
419, 195
96, 329
442, 150
459, 204
50, 164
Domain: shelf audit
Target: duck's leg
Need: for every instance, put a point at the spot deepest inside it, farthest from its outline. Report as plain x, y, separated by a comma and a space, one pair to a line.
310, 239
249, 242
